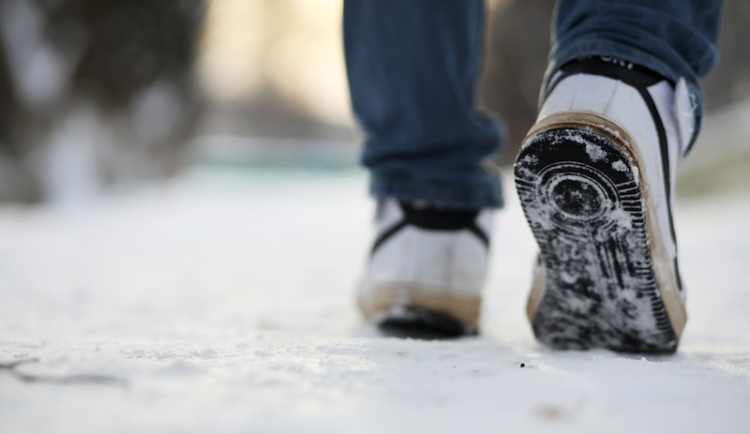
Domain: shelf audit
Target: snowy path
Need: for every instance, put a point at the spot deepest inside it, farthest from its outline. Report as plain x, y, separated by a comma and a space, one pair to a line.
225, 302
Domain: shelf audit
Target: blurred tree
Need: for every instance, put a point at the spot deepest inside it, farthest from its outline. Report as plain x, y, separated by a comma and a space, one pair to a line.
16, 181
275, 68
729, 82
98, 91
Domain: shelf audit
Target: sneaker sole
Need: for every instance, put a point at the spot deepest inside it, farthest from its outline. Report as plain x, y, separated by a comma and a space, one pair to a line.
420, 324
579, 185
445, 303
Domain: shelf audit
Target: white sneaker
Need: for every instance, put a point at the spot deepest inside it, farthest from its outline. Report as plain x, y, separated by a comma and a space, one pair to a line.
595, 176
426, 270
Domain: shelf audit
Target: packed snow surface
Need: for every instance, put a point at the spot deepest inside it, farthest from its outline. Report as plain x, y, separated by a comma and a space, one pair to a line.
223, 302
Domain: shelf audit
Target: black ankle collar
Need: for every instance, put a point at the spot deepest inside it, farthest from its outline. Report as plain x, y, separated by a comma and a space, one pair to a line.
610, 67
438, 219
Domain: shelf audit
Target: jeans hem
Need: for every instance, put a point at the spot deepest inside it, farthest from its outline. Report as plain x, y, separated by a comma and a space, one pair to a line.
439, 193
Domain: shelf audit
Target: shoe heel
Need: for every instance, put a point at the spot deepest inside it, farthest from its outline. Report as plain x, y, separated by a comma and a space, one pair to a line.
581, 195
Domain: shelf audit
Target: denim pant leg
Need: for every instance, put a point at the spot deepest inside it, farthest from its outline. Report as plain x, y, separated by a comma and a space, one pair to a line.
676, 38
413, 67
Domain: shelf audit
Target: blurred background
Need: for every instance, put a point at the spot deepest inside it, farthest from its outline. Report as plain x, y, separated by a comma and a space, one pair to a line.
97, 96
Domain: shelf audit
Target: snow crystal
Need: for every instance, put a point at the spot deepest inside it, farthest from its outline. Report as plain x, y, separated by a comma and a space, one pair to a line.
622, 217
619, 166
595, 152
568, 278
615, 133
636, 173
530, 159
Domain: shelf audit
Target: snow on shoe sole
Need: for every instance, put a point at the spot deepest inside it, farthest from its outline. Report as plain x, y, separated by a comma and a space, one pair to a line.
579, 183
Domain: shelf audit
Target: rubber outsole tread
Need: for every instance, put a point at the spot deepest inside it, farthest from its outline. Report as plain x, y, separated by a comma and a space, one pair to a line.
585, 208
423, 325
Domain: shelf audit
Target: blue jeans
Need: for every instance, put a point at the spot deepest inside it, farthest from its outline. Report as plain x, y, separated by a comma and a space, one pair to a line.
413, 67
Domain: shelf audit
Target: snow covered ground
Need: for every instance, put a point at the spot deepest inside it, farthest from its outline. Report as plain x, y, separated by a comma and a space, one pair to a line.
223, 303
